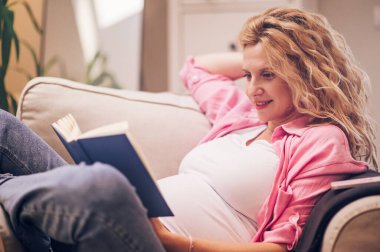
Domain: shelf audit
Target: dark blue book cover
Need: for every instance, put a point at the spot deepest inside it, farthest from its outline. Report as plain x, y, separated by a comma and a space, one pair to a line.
74, 149
119, 152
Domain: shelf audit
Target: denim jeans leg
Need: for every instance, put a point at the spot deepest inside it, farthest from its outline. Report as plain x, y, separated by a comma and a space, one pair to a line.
22, 151
93, 207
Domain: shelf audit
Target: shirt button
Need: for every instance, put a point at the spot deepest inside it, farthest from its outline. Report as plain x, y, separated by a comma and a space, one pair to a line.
293, 219
194, 79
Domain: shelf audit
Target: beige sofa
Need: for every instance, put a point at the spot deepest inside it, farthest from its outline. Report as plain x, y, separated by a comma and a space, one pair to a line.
165, 125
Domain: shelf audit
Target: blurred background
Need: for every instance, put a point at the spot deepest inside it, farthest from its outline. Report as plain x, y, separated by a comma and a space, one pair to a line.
141, 44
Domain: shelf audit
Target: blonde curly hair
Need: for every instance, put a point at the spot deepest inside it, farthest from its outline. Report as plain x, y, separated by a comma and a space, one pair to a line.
325, 80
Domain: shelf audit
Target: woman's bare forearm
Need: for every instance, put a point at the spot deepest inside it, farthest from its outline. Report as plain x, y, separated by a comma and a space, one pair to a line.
211, 246
228, 64
176, 243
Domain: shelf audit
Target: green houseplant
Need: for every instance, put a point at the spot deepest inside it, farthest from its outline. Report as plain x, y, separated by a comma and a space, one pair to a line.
7, 37
96, 73
101, 77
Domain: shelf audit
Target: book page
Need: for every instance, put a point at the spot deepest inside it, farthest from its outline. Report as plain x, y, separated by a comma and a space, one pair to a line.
67, 127
108, 130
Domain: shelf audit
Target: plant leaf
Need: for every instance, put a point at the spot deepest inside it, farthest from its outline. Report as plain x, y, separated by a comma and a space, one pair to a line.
2, 8
3, 96
16, 43
32, 17
37, 63
14, 35
12, 3
6, 41
23, 71
101, 81
51, 62
30, 14
91, 65
13, 104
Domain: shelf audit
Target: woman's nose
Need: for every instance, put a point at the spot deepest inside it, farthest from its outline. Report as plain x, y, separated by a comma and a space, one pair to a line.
253, 89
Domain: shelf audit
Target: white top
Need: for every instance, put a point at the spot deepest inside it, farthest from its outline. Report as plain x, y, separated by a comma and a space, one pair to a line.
220, 187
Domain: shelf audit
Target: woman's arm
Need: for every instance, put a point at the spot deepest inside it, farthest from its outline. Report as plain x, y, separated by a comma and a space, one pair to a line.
205, 78
228, 64
177, 243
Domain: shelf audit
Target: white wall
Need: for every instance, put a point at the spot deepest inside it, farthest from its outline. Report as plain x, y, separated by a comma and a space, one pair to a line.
121, 42
354, 19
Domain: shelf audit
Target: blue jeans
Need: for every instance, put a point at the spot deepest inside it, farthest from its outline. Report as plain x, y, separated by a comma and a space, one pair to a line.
87, 208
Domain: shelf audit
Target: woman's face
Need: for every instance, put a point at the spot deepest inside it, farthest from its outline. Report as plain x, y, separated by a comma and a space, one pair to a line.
269, 94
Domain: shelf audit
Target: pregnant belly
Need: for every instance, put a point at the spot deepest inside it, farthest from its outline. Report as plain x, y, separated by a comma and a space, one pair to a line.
200, 212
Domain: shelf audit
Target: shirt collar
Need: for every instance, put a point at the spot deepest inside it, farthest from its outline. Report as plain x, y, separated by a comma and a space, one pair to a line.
296, 127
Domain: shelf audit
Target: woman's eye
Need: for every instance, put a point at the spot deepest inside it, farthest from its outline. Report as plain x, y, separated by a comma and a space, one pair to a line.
268, 75
247, 76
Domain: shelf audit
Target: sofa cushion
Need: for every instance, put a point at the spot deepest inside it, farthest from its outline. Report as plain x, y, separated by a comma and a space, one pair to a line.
166, 126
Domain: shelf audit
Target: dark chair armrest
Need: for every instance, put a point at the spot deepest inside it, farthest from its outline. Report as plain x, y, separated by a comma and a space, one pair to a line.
329, 205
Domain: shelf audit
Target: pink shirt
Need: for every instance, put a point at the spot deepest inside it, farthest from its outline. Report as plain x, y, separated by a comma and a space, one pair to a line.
310, 157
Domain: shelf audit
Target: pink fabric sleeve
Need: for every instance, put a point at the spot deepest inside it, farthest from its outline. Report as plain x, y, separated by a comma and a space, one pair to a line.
322, 157
215, 94
301, 196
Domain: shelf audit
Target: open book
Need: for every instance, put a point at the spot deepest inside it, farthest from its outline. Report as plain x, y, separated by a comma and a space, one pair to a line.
114, 145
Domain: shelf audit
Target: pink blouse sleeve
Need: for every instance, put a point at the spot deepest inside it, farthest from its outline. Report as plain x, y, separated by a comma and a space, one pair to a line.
302, 195
215, 94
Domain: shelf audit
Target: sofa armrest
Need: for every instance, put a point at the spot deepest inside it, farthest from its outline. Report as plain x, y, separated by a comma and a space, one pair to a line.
355, 227
165, 125
330, 207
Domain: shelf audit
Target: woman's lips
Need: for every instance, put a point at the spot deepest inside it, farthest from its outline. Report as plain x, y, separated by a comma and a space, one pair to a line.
262, 104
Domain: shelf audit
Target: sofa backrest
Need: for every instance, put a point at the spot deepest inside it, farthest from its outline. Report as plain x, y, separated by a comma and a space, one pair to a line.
166, 126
